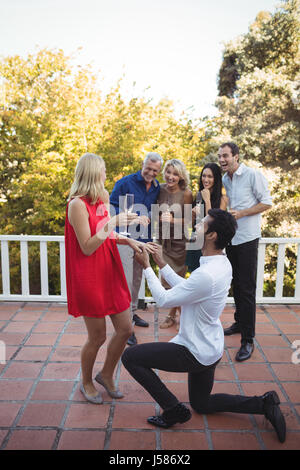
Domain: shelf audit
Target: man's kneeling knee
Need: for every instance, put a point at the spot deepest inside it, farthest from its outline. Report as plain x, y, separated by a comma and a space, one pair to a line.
128, 355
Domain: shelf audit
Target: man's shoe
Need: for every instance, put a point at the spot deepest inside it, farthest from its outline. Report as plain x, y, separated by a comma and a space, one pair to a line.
178, 414
245, 351
132, 341
273, 413
138, 321
232, 330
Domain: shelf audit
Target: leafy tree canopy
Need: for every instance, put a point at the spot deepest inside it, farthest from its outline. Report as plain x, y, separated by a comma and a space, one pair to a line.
259, 88
259, 108
52, 112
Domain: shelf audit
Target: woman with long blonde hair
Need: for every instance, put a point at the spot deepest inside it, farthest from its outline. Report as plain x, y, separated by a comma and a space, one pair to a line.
174, 194
96, 284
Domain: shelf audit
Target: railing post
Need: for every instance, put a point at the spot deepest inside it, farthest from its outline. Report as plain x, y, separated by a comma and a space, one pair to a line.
5, 267
260, 269
280, 270
63, 290
24, 267
44, 268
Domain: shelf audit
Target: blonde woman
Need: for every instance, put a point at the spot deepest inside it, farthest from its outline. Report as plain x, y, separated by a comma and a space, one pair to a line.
96, 284
174, 194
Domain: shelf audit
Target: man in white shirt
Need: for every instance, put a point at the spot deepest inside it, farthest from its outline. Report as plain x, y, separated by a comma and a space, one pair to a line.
199, 345
247, 190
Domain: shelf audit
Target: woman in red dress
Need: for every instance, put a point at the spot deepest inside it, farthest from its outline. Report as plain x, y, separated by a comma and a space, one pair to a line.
96, 284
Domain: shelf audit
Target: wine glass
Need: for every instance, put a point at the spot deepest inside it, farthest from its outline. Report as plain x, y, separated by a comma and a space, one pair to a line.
200, 204
128, 207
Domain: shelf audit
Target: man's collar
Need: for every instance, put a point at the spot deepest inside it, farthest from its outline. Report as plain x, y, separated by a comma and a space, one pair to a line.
240, 169
208, 259
238, 172
139, 175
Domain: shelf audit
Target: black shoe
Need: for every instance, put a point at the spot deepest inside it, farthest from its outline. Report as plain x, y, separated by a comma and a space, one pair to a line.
132, 341
178, 414
232, 330
138, 321
273, 413
245, 351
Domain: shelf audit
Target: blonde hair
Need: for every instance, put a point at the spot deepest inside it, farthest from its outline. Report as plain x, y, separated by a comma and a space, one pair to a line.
87, 181
179, 166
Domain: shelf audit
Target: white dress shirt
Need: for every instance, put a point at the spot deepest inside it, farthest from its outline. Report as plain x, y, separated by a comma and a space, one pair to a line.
247, 188
202, 298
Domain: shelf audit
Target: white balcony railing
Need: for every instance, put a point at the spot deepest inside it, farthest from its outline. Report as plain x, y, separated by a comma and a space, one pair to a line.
43, 241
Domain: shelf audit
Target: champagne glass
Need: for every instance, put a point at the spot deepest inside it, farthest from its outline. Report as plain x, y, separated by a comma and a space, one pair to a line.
200, 205
129, 201
166, 225
128, 207
198, 199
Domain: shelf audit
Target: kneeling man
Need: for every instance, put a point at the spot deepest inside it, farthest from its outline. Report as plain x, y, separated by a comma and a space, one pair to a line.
199, 345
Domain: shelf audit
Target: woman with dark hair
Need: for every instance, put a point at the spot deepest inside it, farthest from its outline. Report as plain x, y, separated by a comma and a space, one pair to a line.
209, 196
210, 188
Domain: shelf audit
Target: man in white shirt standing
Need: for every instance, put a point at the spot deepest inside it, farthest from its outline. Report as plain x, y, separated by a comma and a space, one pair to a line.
199, 344
247, 190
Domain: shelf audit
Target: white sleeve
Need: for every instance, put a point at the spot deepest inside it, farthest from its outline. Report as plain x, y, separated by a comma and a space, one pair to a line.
260, 188
170, 276
189, 291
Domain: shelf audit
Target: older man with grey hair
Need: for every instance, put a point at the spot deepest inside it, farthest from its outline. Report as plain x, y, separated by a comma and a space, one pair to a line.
145, 188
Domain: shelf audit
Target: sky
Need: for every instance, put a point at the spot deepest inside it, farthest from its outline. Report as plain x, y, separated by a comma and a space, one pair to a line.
168, 48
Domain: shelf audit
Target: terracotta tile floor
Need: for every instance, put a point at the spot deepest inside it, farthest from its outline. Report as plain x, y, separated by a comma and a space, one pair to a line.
41, 406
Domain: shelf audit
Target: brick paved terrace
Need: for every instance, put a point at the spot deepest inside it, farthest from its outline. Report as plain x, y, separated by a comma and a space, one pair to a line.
41, 406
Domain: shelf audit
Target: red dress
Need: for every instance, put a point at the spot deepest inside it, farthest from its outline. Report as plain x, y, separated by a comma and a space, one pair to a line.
96, 284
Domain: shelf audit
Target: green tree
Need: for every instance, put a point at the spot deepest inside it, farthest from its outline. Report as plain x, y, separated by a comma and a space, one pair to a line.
51, 112
259, 88
37, 146
259, 109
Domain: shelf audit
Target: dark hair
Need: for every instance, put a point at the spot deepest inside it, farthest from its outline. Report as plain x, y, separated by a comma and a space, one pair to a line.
216, 193
224, 224
234, 148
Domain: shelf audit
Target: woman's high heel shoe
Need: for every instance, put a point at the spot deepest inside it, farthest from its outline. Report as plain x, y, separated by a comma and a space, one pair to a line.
112, 393
97, 400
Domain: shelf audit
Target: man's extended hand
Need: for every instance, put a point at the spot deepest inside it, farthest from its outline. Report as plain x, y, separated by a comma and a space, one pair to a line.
143, 257
157, 255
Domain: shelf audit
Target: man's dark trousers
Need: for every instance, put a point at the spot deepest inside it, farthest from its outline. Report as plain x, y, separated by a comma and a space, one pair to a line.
243, 259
